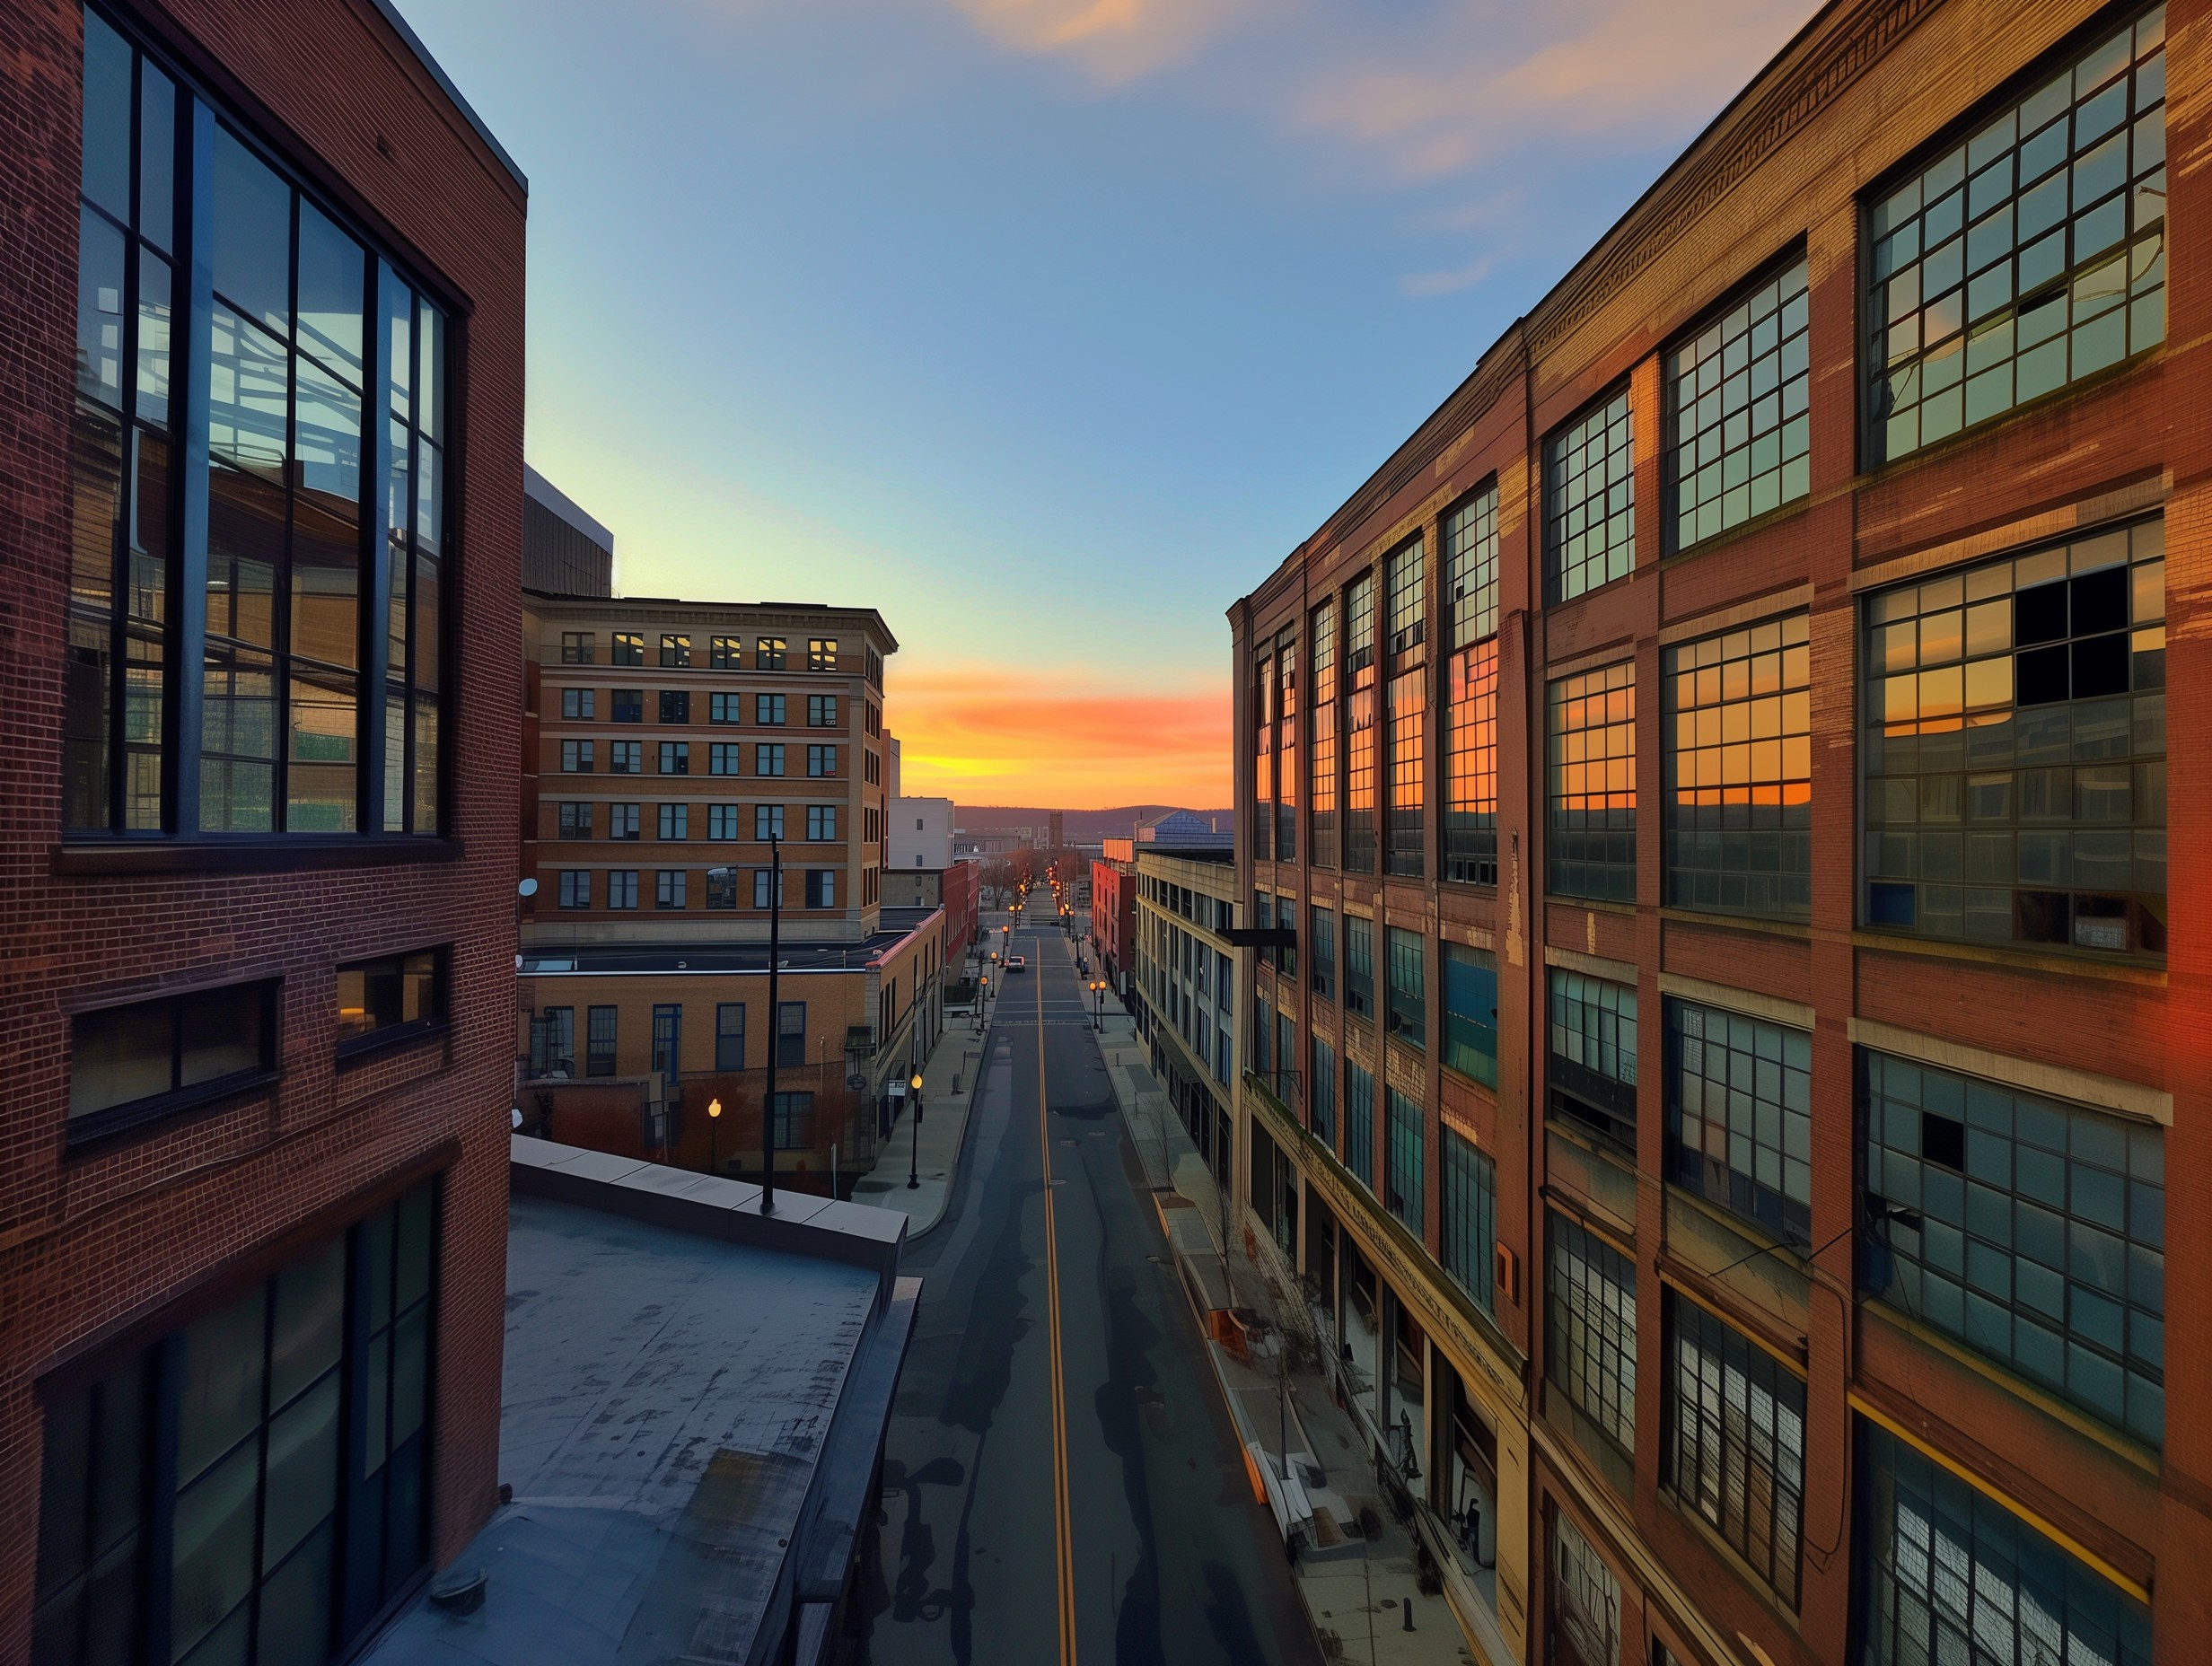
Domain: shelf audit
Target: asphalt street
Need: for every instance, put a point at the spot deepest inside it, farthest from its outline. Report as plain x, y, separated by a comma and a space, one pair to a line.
1124, 1528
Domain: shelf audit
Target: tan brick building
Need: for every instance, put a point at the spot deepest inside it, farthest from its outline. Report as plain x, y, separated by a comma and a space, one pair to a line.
1745, 1025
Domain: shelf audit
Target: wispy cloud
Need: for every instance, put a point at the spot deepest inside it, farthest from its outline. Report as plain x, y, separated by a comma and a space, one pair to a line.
1117, 40
1447, 283
987, 736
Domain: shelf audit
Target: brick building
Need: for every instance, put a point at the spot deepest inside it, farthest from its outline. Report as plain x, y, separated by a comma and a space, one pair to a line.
1753, 1211
262, 390
1186, 980
1113, 911
954, 887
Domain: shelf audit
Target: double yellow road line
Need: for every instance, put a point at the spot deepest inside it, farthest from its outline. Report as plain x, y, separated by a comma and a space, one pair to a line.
1061, 1530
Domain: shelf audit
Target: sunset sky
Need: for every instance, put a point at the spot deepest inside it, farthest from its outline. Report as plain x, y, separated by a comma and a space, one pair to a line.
1046, 327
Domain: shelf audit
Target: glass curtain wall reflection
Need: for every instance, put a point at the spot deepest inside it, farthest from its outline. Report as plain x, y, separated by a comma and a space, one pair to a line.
314, 376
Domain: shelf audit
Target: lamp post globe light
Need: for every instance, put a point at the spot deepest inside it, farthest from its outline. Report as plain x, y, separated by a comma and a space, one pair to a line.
768, 1102
914, 1150
714, 1123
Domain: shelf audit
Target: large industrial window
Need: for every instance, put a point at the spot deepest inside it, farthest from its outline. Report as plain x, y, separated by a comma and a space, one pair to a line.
1590, 1353
1408, 1200
2031, 1229
730, 1035
1590, 500
1263, 754
2015, 749
1470, 1013
1286, 747
1591, 784
1735, 1441
300, 688
1952, 1574
1408, 986
1360, 826
1359, 1123
668, 1039
1470, 568
1408, 697
1471, 765
2026, 257
1358, 965
1740, 1115
256, 1485
1738, 724
599, 1040
1406, 578
1470, 1223
1321, 936
1321, 741
1321, 1094
1584, 1600
1736, 421
1592, 1054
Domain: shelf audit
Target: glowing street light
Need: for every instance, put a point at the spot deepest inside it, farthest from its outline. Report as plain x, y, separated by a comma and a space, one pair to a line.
714, 1119
914, 1151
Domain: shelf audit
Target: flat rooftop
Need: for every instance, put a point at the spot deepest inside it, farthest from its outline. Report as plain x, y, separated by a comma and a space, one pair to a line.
896, 926
682, 1420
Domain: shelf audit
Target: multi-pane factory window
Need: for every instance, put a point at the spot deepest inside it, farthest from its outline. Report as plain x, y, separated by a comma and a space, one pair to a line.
1406, 578
314, 636
730, 1035
2015, 749
1592, 1054
1408, 986
1470, 1013
1590, 500
1359, 1123
1470, 1223
1735, 400
1360, 826
1286, 747
1738, 718
1584, 1600
1590, 1353
1322, 951
1321, 739
1407, 696
1263, 756
1471, 764
1734, 1435
2032, 1230
2027, 256
1740, 1115
1951, 1575
1358, 965
1408, 1200
599, 1040
1321, 1094
1592, 782
1470, 568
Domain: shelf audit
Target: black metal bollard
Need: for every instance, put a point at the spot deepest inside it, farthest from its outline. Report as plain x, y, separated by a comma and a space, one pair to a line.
1408, 1614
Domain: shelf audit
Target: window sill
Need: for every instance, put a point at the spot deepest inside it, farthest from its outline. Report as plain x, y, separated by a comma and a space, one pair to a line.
1800, 931
96, 1128
253, 853
360, 1049
2088, 963
1597, 905
1714, 542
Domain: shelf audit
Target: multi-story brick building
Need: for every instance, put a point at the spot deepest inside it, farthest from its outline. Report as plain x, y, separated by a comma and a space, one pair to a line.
671, 751
1753, 1208
262, 441
1186, 979
1113, 912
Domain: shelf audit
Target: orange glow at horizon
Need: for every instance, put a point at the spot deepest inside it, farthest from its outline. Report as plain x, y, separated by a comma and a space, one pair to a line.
982, 735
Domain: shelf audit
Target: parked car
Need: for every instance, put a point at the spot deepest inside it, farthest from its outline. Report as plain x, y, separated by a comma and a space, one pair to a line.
1017, 963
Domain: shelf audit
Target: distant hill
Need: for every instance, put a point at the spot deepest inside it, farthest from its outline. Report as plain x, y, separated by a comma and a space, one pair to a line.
1082, 826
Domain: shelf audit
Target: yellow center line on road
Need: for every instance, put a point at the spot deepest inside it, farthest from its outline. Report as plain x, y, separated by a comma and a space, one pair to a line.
1061, 1529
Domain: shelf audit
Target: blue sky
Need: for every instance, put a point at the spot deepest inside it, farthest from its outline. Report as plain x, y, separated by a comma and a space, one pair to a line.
1047, 327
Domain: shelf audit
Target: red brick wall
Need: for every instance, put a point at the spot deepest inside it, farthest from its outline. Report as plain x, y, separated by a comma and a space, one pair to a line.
92, 1242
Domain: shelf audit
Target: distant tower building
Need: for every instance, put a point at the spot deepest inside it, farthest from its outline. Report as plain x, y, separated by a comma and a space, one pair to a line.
1059, 828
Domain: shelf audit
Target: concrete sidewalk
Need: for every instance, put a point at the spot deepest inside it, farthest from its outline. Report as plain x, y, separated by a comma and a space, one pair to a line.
1357, 1589
948, 1090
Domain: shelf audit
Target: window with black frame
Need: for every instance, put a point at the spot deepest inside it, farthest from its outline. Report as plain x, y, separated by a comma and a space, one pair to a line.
392, 999
1408, 986
1470, 1222
1737, 724
1591, 1066
1591, 783
1590, 500
1740, 1115
1361, 829
1321, 741
2014, 741
2026, 255
258, 1484
315, 560
1359, 1122
1736, 392
1735, 1441
1408, 1198
1590, 1353
1287, 746
129, 1065
1470, 690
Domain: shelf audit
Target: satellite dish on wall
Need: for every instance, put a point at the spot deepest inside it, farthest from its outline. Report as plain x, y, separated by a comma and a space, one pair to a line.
515, 1116
528, 888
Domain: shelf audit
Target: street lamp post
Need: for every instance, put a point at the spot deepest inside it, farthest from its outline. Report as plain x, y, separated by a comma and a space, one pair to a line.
714, 1124
1098, 995
914, 1151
